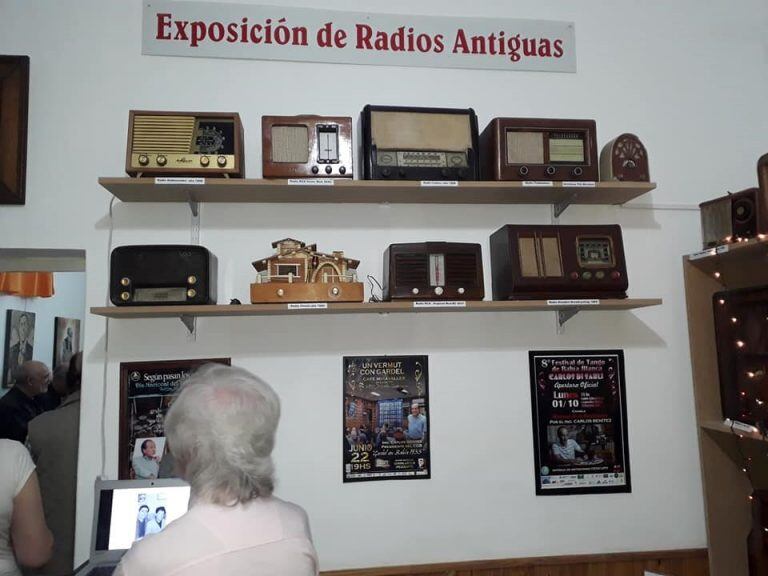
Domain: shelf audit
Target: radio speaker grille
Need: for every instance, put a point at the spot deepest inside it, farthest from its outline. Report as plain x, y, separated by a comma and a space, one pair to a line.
290, 144
411, 269
461, 269
163, 134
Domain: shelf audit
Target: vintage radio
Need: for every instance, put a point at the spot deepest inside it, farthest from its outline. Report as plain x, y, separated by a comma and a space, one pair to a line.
157, 274
737, 216
762, 176
624, 158
554, 262
433, 271
539, 149
185, 143
405, 143
297, 272
741, 335
306, 146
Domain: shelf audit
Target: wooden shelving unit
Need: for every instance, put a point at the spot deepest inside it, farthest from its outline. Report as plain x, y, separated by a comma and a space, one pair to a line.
373, 192
722, 448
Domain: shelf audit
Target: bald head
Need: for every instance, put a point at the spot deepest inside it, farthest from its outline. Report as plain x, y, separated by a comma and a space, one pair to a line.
32, 378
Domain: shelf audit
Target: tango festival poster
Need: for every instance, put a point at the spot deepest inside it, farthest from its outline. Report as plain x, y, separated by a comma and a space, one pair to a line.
386, 418
579, 422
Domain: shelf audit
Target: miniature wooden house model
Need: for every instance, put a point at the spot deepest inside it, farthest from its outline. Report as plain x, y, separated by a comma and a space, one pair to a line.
302, 267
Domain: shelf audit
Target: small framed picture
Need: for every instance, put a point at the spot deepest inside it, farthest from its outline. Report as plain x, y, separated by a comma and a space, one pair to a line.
66, 340
19, 342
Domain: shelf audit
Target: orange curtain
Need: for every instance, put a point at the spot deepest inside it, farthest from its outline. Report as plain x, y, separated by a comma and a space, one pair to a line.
27, 284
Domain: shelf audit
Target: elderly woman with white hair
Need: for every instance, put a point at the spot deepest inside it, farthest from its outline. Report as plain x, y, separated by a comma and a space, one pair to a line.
221, 431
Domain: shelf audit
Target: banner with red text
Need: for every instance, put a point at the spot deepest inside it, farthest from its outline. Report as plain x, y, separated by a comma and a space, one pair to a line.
216, 30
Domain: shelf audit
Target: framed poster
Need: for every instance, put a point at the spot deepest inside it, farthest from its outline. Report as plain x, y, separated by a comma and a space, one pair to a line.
386, 418
66, 340
147, 390
579, 422
19, 342
14, 104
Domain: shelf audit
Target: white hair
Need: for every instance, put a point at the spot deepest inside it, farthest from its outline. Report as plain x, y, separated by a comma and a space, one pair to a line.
221, 431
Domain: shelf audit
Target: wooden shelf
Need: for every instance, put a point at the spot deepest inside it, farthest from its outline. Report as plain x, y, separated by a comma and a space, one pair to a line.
372, 192
363, 308
718, 427
734, 265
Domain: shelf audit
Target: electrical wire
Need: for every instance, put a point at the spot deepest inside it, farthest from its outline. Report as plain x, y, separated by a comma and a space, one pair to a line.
106, 355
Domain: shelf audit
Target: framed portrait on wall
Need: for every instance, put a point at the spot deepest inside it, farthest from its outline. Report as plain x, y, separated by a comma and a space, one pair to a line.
580, 443
14, 103
66, 340
19, 342
147, 390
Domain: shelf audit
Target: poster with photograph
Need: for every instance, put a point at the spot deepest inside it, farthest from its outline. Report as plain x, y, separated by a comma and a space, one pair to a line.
579, 422
147, 390
19, 342
386, 418
66, 340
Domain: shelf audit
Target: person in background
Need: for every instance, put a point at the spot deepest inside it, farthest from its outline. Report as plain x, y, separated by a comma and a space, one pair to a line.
147, 466
221, 430
53, 443
24, 537
52, 397
18, 406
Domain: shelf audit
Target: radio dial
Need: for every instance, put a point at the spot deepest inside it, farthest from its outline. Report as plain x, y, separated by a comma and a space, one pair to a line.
461, 290
192, 280
280, 292
125, 296
415, 290
191, 293
523, 171
439, 291
204, 161
162, 160
551, 170
221, 161
328, 169
125, 281
143, 159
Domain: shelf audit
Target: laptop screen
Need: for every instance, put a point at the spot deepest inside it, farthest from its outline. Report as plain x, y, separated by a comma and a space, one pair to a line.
127, 515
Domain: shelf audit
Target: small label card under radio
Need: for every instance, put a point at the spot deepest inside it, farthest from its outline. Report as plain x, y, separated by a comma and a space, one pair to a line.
588, 302
308, 306
185, 181
439, 183
702, 254
440, 304
722, 249
585, 184
538, 183
740, 426
311, 181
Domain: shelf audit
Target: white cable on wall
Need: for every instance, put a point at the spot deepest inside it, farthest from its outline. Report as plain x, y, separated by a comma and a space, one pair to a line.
106, 356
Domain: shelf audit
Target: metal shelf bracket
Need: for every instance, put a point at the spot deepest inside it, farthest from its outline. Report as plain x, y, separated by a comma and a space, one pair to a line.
189, 322
563, 316
559, 208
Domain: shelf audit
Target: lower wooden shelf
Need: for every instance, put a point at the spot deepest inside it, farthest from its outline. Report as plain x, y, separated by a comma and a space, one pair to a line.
370, 308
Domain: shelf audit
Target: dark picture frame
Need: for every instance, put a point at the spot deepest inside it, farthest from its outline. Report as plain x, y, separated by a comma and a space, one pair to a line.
579, 418
66, 340
147, 390
14, 111
13, 349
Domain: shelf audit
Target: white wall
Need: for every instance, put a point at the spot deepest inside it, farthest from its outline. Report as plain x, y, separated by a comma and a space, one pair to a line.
67, 302
688, 77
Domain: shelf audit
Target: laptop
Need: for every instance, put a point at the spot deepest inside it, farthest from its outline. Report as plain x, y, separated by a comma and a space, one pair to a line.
126, 511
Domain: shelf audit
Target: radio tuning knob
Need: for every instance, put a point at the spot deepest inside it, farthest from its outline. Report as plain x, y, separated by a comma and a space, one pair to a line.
444, 172
461, 290
401, 173
125, 281
221, 161
280, 292
551, 170
162, 160
191, 293
143, 159
577, 171
125, 296
439, 291
342, 170
615, 274
523, 171
335, 291
204, 161
386, 172
328, 169
415, 290
192, 280
574, 275
315, 169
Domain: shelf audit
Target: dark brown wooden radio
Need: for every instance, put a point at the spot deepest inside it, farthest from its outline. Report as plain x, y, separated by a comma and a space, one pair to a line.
206, 144
433, 271
539, 149
624, 158
558, 262
734, 217
306, 146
